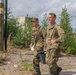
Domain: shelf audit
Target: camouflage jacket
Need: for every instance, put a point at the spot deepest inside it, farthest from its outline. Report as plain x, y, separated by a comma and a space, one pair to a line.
38, 36
54, 32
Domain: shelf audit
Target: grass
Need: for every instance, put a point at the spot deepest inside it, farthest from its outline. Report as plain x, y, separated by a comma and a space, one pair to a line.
1, 58
27, 66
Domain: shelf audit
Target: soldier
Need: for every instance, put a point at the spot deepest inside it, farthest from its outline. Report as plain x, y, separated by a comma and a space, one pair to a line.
54, 38
38, 41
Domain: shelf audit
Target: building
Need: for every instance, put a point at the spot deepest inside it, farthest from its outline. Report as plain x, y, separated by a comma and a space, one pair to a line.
21, 21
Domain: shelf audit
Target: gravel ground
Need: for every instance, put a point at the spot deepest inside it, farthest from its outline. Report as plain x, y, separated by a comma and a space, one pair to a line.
12, 66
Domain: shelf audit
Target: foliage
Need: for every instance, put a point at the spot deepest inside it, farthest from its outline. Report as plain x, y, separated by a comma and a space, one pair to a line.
27, 30
23, 36
19, 40
12, 26
45, 22
27, 66
11, 22
69, 46
65, 21
1, 59
74, 35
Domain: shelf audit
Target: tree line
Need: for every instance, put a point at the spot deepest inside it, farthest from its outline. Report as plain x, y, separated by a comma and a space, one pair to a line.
21, 37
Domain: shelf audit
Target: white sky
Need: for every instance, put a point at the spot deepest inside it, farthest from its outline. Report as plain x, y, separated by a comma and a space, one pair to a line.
37, 8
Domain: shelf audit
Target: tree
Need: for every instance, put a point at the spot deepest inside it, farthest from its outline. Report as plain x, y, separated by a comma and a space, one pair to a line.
11, 22
27, 30
45, 22
65, 21
23, 36
69, 44
12, 26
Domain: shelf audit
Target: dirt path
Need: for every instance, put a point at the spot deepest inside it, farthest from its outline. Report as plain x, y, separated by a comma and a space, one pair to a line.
13, 66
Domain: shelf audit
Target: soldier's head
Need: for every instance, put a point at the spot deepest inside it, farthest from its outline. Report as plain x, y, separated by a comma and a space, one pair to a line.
51, 17
34, 21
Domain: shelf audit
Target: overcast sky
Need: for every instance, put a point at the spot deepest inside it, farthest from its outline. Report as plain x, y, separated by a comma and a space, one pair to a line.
37, 8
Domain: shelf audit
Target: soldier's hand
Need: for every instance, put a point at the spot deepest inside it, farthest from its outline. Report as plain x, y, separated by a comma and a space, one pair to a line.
53, 41
44, 49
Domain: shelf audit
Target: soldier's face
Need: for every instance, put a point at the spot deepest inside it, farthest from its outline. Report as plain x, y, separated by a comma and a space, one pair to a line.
34, 23
51, 18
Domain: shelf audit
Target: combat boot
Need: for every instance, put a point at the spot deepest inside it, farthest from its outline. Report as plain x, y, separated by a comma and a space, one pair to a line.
59, 70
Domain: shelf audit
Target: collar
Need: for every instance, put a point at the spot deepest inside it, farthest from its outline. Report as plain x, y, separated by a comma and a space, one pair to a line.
51, 26
37, 27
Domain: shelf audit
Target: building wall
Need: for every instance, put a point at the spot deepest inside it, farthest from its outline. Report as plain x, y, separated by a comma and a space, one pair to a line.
20, 21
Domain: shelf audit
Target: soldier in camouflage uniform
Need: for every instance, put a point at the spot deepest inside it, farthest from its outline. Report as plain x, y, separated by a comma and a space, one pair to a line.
38, 40
55, 36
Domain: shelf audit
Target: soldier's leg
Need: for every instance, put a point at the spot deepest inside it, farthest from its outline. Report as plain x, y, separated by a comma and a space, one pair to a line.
36, 62
51, 60
36, 66
59, 70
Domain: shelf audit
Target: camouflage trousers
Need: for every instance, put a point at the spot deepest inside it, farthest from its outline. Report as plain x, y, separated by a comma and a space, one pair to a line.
51, 59
36, 60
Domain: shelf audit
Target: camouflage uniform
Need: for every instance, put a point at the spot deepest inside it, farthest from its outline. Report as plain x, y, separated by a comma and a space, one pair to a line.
53, 50
38, 40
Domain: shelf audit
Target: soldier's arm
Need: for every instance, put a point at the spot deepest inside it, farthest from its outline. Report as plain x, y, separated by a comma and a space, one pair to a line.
61, 35
31, 42
32, 38
43, 31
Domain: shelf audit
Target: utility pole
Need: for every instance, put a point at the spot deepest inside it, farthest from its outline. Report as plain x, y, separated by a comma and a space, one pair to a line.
1, 24
6, 25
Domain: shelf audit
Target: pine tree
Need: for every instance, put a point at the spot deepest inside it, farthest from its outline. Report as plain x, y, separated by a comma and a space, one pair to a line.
69, 44
23, 36
65, 21
45, 22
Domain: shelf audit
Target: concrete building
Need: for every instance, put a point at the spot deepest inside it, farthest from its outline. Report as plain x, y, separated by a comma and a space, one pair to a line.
21, 21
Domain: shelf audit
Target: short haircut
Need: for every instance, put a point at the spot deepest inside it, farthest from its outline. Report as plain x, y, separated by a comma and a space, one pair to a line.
52, 14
